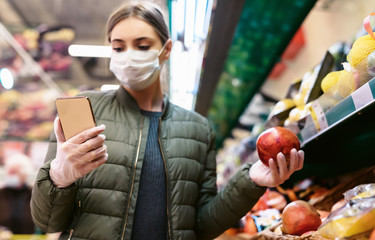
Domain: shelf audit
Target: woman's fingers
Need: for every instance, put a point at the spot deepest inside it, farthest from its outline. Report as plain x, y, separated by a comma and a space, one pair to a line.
87, 134
58, 130
283, 169
301, 159
274, 171
88, 167
294, 161
90, 156
91, 144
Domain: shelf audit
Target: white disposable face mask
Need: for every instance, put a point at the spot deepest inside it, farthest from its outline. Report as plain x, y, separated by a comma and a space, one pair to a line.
136, 69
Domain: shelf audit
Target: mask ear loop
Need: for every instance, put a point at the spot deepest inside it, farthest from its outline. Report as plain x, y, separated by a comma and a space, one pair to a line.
161, 51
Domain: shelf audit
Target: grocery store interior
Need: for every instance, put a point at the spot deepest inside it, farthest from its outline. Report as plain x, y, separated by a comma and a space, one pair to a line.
245, 65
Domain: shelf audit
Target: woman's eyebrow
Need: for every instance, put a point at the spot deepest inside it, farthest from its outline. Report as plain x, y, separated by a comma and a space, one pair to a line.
117, 40
142, 38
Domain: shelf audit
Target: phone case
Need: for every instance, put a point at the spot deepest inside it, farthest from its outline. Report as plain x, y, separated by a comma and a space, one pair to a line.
75, 115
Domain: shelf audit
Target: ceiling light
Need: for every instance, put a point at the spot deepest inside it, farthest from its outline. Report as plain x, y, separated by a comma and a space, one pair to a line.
76, 50
6, 78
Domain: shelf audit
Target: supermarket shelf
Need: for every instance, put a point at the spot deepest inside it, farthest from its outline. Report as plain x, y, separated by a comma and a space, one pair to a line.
348, 141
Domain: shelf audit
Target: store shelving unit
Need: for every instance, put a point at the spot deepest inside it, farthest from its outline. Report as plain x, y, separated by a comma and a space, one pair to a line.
348, 141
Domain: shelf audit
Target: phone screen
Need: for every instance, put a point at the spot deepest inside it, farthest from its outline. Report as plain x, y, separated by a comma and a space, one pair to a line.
75, 115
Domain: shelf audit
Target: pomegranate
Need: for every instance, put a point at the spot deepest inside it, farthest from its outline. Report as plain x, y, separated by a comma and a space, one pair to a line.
274, 140
299, 217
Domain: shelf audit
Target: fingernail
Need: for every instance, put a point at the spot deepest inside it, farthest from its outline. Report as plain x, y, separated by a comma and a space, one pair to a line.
102, 126
102, 136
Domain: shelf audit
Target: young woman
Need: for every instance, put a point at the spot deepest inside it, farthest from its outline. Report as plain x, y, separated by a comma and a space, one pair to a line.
148, 170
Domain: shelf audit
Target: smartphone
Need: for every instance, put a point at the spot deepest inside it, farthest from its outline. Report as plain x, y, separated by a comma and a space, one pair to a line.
75, 115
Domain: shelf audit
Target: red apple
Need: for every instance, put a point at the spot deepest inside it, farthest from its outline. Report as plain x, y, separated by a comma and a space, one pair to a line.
299, 217
275, 140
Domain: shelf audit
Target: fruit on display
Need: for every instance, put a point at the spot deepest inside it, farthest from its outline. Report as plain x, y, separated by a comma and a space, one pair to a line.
282, 105
249, 226
362, 47
274, 140
231, 232
330, 80
299, 217
298, 113
371, 64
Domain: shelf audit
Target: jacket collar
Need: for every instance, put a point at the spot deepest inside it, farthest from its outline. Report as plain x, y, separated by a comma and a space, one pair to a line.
129, 103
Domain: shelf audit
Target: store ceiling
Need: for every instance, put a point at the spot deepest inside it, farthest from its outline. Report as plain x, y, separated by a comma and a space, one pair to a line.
87, 17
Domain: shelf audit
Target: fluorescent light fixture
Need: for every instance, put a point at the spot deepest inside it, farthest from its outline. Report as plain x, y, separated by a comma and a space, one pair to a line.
200, 18
178, 15
189, 23
6, 78
208, 16
76, 50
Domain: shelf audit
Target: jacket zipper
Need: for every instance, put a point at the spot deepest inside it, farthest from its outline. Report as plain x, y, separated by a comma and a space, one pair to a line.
72, 230
167, 180
133, 179
71, 234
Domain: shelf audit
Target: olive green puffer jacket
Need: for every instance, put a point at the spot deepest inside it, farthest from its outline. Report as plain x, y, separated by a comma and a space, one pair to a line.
101, 204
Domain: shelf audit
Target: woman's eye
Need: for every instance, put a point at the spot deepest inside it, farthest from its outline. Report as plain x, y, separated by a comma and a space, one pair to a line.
144, 47
117, 49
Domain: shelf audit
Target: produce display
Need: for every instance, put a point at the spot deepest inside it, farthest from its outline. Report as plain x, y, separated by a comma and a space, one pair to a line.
299, 217
329, 83
48, 46
313, 208
293, 214
26, 116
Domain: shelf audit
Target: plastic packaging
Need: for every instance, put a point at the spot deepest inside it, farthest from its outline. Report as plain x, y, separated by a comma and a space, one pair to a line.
362, 191
356, 217
349, 81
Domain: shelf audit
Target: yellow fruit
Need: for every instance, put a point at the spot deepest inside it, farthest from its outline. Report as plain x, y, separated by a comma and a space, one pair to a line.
361, 48
299, 112
283, 105
299, 99
346, 84
329, 80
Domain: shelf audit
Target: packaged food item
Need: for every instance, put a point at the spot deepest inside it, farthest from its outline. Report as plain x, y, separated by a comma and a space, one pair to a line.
360, 192
354, 218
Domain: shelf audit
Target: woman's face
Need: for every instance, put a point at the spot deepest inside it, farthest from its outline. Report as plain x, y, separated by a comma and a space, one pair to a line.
136, 34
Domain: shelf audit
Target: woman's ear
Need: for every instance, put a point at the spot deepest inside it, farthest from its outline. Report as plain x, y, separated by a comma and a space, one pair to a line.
167, 50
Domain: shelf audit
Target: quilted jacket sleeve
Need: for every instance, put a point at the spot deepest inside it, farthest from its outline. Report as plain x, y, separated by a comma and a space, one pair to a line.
51, 207
218, 212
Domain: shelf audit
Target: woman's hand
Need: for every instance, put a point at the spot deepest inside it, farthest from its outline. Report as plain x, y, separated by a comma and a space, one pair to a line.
77, 156
276, 174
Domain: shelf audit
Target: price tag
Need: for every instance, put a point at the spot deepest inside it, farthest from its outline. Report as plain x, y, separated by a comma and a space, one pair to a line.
362, 96
321, 117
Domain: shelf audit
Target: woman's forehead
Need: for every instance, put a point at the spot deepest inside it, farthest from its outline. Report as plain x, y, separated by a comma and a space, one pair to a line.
132, 28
